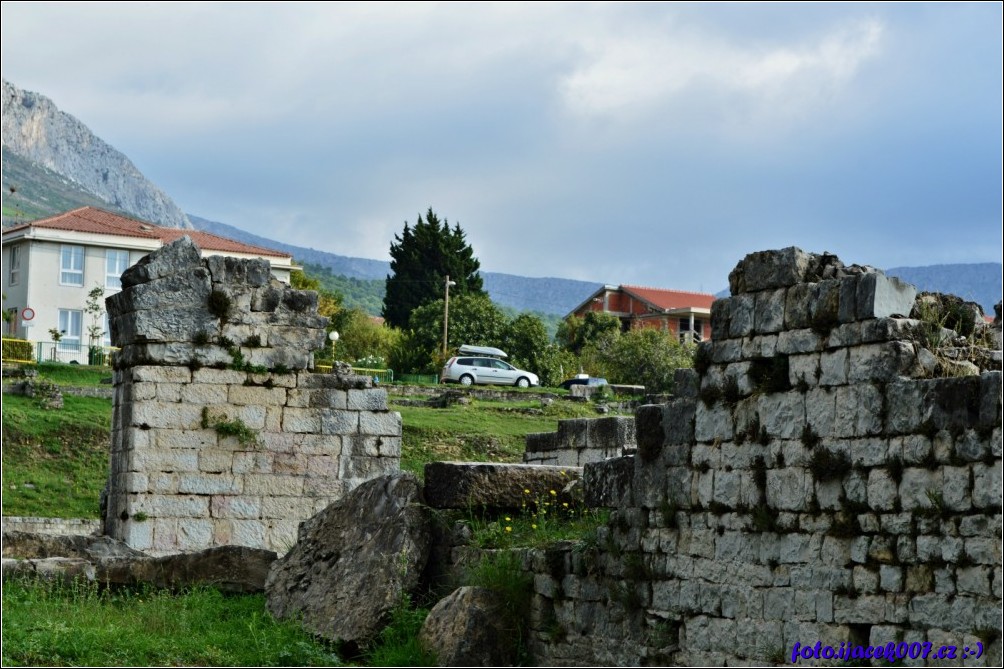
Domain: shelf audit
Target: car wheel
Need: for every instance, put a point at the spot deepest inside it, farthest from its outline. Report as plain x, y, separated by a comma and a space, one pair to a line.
523, 382
466, 380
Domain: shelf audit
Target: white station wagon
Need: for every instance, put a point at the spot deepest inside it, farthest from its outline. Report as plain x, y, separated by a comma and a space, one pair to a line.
483, 365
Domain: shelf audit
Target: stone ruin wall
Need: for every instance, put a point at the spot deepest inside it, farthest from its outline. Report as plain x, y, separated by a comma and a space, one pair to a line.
581, 440
221, 434
824, 482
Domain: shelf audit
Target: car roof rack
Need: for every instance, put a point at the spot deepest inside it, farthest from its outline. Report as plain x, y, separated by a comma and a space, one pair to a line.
482, 350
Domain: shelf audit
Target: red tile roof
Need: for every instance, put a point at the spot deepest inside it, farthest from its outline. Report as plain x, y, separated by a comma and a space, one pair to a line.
670, 299
101, 222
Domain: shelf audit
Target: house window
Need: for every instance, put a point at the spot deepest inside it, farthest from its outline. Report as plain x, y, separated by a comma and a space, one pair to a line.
116, 262
15, 264
71, 325
685, 333
71, 266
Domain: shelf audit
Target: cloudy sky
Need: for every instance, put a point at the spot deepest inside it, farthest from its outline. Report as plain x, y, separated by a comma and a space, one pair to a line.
650, 143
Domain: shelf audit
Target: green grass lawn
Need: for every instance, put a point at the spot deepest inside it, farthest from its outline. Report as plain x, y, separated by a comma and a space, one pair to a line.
55, 462
74, 375
80, 624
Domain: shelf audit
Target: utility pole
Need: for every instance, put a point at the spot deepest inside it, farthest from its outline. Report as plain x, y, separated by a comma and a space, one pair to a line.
446, 312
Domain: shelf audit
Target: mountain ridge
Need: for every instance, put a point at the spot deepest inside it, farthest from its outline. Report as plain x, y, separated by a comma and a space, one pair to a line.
34, 128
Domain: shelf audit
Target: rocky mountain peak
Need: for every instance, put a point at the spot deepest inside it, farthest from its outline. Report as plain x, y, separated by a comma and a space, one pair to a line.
35, 129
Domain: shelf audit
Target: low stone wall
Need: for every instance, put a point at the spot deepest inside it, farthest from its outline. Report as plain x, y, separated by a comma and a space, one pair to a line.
581, 440
830, 484
66, 526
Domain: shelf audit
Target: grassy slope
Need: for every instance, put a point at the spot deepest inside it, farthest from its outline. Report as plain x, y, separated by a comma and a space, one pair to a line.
55, 462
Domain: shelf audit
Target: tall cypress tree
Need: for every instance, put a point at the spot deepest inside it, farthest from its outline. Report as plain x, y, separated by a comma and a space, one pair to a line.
421, 258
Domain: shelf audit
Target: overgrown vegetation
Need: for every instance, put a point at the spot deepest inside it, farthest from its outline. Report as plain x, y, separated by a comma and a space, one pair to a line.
235, 428
81, 624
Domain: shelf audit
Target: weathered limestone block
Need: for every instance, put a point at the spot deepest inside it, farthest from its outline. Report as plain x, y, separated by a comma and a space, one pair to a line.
465, 629
799, 341
741, 315
768, 311
881, 296
685, 383
48, 569
462, 485
769, 269
782, 414
712, 423
720, 326
354, 561
758, 346
789, 489
177, 256
881, 362
833, 367
859, 411
229, 270
572, 433
33, 545
821, 412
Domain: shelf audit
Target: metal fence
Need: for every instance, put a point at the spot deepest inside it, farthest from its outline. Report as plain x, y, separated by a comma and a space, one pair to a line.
24, 351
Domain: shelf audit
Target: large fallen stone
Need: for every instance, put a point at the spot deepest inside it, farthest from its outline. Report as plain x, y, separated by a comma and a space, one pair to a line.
463, 485
49, 569
354, 561
233, 569
465, 629
34, 545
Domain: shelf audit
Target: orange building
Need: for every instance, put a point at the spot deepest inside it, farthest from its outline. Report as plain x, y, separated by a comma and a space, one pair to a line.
683, 313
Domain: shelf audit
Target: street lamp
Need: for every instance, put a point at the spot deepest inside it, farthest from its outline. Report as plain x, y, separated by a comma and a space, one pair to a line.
446, 312
333, 336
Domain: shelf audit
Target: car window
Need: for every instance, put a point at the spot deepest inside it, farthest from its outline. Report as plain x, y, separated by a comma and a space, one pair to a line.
501, 365
467, 362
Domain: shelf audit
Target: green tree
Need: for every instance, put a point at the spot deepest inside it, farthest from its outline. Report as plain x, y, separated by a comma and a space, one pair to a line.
421, 259
529, 347
647, 357
362, 338
597, 328
474, 319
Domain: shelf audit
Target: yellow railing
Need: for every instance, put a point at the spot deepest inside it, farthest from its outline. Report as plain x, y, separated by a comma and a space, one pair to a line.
18, 351
382, 374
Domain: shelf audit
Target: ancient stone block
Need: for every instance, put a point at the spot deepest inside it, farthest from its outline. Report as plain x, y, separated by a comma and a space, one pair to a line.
768, 311
881, 362
460, 485
789, 489
741, 315
880, 296
769, 269
712, 423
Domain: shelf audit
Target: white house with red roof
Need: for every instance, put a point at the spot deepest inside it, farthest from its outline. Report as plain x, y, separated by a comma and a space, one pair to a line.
680, 312
50, 266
